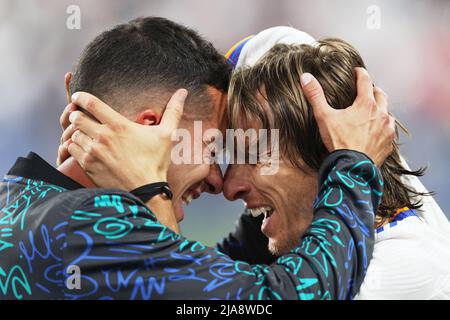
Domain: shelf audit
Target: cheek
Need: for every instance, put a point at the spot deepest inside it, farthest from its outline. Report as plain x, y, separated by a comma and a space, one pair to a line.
181, 177
298, 203
270, 184
199, 172
264, 183
172, 174
302, 197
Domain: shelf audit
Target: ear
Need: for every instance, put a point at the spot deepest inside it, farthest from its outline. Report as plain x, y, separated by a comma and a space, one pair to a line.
149, 117
67, 79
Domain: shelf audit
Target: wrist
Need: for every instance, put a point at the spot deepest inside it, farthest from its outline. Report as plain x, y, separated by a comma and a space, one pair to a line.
148, 191
350, 150
137, 182
156, 177
346, 157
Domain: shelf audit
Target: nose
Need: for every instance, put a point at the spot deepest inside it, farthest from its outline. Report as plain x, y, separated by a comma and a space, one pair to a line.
214, 180
235, 185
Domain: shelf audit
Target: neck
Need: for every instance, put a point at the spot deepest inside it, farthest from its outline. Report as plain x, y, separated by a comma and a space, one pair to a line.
73, 170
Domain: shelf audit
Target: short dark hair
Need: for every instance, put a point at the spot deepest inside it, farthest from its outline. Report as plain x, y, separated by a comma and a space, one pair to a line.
145, 57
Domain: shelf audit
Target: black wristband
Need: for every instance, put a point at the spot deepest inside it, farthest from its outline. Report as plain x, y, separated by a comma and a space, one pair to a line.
148, 191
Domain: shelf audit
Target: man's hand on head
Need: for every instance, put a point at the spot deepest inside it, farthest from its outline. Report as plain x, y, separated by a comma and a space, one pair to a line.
365, 126
118, 153
68, 130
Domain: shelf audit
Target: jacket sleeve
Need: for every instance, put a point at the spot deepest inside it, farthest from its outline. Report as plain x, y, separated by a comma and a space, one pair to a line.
247, 242
123, 252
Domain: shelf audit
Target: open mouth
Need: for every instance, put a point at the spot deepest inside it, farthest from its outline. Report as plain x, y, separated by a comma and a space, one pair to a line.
267, 227
265, 210
185, 200
188, 196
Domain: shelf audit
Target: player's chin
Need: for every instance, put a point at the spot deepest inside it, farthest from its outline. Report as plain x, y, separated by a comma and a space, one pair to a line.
179, 211
276, 247
280, 244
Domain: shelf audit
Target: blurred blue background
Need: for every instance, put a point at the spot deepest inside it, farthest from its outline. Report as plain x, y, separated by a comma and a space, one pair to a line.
407, 52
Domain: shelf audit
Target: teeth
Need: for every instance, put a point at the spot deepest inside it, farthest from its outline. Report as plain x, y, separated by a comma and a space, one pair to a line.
255, 212
187, 198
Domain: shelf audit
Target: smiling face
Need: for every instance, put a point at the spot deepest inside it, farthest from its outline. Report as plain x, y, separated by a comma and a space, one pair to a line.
189, 181
284, 198
150, 58
268, 95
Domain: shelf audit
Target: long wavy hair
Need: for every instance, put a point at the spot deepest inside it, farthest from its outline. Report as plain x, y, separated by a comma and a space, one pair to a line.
276, 78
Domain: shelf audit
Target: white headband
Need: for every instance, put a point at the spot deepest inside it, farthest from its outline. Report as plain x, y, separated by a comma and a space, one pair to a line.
258, 45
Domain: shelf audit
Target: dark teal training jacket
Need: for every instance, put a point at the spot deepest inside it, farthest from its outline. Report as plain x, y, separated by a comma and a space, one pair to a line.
61, 241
